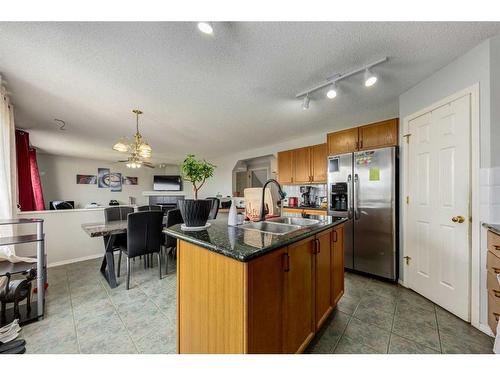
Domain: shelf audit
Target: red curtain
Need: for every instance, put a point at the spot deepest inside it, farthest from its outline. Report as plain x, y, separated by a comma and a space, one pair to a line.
35, 182
28, 178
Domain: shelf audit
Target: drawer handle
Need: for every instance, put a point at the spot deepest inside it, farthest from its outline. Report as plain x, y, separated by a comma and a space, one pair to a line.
496, 270
496, 247
496, 293
496, 315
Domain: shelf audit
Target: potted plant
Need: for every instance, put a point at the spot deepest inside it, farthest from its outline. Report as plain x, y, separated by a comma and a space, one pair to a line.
195, 211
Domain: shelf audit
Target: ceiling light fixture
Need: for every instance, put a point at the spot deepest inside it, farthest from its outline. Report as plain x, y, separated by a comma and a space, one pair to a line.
370, 80
305, 102
206, 27
332, 92
140, 151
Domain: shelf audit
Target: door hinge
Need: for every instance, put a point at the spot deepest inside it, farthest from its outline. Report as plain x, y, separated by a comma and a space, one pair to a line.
407, 199
407, 136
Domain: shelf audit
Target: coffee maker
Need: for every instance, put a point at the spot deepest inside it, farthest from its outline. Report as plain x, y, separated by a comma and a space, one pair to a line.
307, 195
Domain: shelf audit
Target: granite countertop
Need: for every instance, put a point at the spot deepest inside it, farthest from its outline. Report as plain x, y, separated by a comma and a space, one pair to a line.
306, 208
493, 227
244, 245
105, 229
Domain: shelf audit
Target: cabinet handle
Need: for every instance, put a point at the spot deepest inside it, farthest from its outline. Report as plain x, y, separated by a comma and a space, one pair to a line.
496, 270
496, 293
318, 246
286, 262
496, 247
334, 236
361, 144
496, 315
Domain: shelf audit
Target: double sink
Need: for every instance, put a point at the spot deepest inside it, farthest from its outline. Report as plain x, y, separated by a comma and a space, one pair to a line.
280, 225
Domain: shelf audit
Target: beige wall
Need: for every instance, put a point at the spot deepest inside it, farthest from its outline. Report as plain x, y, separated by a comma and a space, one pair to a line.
58, 175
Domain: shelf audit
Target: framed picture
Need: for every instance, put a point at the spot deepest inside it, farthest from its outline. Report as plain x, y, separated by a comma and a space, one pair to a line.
86, 179
103, 177
115, 181
130, 180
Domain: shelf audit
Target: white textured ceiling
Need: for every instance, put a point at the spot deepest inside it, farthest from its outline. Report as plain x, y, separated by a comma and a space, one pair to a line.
211, 95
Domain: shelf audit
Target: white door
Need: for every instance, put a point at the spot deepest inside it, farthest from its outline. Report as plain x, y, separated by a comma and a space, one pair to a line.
437, 242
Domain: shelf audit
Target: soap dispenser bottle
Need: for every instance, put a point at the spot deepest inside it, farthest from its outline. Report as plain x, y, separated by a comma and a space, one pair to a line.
233, 214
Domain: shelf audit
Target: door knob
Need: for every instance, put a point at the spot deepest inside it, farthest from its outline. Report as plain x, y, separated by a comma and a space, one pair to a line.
458, 219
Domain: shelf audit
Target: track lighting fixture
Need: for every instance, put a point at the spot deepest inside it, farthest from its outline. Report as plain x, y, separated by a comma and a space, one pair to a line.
369, 79
206, 27
305, 102
332, 92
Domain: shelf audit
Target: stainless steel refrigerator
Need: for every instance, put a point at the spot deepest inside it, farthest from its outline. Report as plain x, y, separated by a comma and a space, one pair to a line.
362, 186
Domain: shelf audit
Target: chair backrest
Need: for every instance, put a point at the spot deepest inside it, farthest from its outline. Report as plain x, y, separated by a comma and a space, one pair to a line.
117, 213
144, 232
149, 208
215, 208
173, 217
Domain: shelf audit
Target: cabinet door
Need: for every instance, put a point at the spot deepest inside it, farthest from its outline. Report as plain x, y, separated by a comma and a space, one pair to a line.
379, 134
299, 291
285, 172
319, 154
337, 264
302, 165
323, 277
265, 303
343, 141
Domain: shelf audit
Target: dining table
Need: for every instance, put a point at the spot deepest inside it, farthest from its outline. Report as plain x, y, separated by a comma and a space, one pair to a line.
108, 231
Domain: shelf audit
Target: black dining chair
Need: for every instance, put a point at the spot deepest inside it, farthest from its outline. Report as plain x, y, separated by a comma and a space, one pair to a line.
149, 208
144, 237
215, 208
118, 213
173, 217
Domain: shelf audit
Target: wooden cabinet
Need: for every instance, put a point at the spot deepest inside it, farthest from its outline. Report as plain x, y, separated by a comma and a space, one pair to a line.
323, 277
337, 267
303, 165
301, 162
366, 137
275, 303
265, 310
319, 154
493, 269
379, 134
285, 169
299, 292
343, 141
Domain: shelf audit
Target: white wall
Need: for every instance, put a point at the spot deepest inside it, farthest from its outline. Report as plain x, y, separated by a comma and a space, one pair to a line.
58, 175
479, 65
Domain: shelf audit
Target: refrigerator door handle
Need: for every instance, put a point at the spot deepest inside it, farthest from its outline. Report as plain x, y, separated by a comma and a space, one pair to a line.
349, 196
356, 194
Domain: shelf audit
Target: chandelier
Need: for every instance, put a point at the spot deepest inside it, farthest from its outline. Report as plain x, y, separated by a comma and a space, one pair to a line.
140, 151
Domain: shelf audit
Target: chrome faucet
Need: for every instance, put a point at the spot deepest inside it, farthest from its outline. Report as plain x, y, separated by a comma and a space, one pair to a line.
263, 205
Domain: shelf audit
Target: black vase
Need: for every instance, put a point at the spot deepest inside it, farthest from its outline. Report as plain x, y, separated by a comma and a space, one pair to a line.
195, 212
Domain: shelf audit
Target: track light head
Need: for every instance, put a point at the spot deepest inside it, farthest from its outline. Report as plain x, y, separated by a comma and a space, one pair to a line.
370, 78
332, 91
206, 27
305, 102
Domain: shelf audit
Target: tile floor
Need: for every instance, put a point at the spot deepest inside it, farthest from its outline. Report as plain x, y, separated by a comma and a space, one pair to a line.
377, 317
85, 316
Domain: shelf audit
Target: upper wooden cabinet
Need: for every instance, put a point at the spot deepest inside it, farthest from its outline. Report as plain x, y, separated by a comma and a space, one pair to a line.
319, 154
343, 141
366, 137
379, 134
303, 165
285, 169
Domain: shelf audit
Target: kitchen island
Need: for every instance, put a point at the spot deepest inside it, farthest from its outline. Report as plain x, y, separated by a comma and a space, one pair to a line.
248, 291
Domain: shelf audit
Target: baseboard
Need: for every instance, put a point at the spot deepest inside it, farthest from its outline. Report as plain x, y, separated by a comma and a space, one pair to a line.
74, 260
486, 329
402, 283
